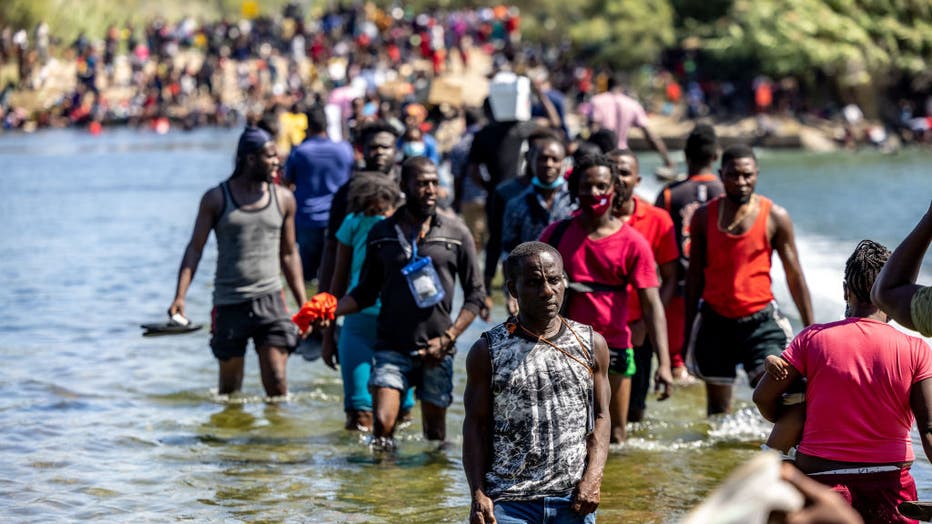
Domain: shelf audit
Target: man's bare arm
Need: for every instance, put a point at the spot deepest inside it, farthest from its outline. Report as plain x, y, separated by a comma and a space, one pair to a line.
695, 277
656, 322
896, 284
589, 490
477, 429
289, 257
657, 143
668, 273
207, 213
920, 400
784, 242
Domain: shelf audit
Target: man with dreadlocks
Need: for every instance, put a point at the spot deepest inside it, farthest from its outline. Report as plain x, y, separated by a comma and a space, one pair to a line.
865, 383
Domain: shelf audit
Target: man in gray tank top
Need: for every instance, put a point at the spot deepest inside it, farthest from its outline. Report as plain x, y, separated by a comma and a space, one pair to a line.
253, 221
536, 431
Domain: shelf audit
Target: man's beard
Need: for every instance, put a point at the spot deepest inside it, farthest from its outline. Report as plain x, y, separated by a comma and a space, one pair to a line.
739, 198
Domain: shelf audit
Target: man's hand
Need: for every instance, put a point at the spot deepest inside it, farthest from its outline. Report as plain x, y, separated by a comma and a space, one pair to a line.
485, 312
482, 510
663, 382
776, 367
437, 349
822, 504
587, 497
328, 350
177, 306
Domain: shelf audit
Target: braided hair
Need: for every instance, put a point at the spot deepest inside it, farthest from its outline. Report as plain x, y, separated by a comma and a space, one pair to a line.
862, 268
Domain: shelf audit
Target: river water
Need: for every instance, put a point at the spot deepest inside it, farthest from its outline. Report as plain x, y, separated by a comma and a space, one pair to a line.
99, 423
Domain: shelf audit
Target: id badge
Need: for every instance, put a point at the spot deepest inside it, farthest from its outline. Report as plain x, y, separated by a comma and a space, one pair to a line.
423, 282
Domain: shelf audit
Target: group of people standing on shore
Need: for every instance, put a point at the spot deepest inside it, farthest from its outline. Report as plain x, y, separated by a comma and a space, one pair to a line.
597, 282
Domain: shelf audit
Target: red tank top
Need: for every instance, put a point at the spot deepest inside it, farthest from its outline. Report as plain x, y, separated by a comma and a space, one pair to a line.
737, 271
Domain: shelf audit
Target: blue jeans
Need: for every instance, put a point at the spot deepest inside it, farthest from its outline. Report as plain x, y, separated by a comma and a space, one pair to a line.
396, 370
357, 338
311, 248
548, 510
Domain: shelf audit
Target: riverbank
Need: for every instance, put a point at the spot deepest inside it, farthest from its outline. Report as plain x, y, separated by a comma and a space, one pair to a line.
37, 106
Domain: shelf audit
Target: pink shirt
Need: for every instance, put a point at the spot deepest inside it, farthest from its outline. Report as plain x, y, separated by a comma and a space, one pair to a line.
859, 373
619, 259
619, 113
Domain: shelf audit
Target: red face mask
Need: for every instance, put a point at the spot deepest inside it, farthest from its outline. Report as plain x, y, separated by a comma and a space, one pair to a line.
598, 205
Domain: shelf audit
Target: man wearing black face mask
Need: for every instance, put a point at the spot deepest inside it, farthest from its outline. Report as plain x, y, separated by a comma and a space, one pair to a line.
602, 256
733, 238
415, 335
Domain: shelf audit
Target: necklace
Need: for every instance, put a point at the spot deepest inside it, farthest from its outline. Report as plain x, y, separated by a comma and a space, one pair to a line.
739, 217
510, 326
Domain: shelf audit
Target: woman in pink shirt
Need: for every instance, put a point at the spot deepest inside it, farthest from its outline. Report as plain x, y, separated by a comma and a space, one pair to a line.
866, 382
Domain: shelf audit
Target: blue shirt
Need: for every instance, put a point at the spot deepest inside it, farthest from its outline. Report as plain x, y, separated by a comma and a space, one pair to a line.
317, 168
526, 217
354, 232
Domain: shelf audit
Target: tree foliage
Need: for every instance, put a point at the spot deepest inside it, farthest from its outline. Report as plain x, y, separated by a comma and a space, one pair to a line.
857, 41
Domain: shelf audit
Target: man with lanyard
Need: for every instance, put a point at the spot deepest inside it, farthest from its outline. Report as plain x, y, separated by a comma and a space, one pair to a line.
536, 386
253, 221
602, 256
865, 381
737, 321
415, 335
657, 228
682, 199
545, 202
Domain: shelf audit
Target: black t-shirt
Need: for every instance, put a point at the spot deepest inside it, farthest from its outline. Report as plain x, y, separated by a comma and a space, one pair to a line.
498, 146
682, 199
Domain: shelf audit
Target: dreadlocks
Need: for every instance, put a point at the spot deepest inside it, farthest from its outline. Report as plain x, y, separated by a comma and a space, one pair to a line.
862, 268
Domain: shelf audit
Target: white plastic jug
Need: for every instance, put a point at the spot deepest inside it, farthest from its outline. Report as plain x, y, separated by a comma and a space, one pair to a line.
510, 97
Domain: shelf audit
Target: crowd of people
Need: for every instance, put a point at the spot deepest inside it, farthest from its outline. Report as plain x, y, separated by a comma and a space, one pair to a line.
605, 293
350, 181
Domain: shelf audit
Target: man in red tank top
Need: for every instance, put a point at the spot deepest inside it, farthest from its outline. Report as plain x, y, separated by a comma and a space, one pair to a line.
737, 322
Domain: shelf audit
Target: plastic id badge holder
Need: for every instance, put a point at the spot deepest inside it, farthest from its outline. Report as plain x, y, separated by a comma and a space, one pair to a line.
422, 279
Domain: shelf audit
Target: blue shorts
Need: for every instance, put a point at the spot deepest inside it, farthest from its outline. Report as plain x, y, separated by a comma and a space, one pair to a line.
552, 510
434, 385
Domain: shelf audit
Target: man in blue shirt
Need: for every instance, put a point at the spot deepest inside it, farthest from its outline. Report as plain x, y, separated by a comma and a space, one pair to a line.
314, 171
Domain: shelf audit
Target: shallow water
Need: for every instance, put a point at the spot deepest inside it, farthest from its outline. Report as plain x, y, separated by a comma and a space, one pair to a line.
102, 424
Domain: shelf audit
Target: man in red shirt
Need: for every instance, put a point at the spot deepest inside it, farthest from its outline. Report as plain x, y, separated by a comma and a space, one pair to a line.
865, 382
737, 320
656, 226
602, 256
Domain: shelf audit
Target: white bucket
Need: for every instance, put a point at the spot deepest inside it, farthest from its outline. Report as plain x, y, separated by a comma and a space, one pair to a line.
510, 97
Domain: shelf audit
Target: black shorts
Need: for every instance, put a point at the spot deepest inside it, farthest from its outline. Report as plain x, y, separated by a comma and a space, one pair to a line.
640, 382
718, 344
621, 362
264, 319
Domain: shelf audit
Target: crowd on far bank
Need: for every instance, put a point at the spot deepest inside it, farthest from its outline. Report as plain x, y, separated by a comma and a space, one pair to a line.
189, 73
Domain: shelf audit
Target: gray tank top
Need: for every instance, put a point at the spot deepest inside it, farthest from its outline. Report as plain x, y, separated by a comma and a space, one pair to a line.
247, 250
542, 410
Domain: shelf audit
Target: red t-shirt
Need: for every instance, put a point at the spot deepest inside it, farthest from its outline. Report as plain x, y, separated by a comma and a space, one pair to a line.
657, 228
619, 259
859, 373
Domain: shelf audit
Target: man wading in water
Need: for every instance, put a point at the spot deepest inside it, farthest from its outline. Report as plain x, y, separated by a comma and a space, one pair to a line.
535, 436
253, 221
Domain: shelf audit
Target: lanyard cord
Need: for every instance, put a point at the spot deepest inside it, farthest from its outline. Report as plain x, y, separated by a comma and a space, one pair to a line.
541, 338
